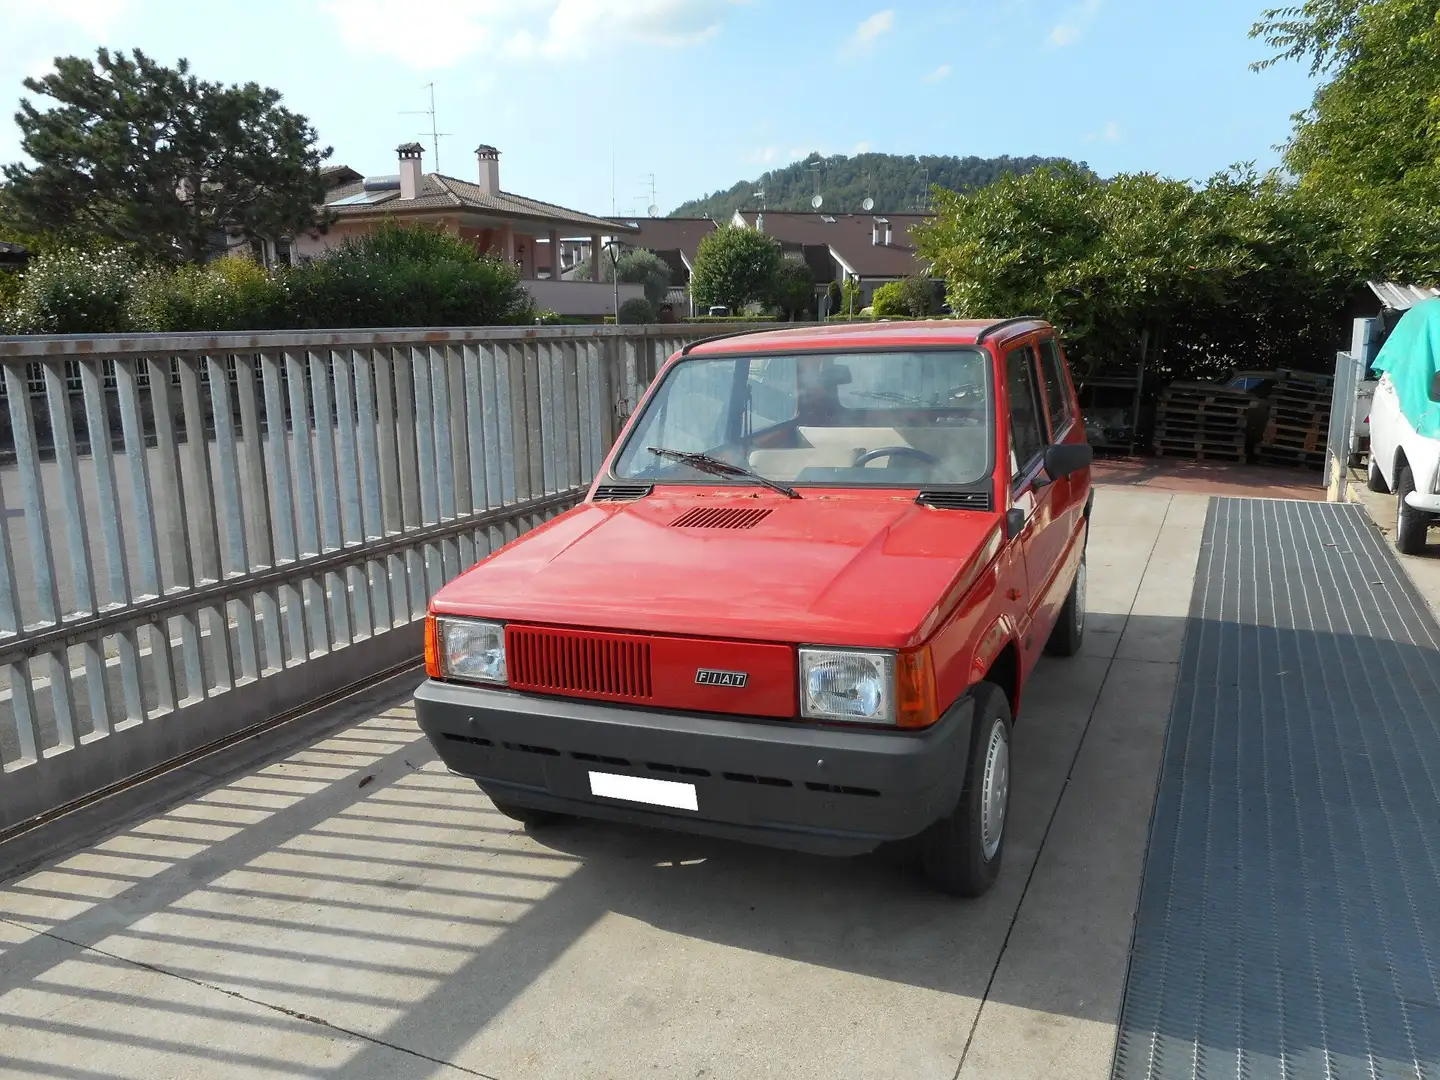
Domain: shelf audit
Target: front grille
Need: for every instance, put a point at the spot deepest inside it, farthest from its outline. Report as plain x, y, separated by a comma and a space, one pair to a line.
578, 662
720, 517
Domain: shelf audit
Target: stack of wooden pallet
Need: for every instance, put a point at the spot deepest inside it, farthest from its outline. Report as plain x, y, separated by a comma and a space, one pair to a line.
1202, 421
1299, 420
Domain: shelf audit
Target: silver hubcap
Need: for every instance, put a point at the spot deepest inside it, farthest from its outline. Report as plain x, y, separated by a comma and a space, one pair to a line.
994, 790
1080, 597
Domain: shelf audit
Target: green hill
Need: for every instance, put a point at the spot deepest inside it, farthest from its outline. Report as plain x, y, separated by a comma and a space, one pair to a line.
897, 183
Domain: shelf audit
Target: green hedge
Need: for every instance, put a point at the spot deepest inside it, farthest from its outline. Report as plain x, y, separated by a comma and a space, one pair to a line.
730, 319
391, 277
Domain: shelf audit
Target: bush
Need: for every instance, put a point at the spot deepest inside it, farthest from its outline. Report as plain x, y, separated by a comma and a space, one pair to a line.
832, 291
730, 319
232, 293
637, 310
794, 289
641, 267
913, 297
890, 300
69, 291
405, 277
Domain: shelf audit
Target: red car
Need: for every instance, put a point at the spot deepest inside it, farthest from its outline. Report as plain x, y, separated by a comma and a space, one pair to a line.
798, 606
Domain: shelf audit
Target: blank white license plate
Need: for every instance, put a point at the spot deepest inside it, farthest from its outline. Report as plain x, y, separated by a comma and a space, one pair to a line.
642, 789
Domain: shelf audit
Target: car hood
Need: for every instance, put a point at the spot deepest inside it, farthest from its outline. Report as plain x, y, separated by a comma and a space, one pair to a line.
872, 568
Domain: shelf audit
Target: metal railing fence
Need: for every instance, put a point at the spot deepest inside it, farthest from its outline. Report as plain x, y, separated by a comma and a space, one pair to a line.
184, 558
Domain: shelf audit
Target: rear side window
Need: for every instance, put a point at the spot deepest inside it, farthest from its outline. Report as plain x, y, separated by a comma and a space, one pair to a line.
1027, 436
1057, 397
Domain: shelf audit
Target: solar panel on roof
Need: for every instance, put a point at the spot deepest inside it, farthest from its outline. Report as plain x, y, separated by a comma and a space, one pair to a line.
365, 197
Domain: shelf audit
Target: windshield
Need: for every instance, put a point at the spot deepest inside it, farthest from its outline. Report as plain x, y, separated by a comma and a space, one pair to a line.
878, 419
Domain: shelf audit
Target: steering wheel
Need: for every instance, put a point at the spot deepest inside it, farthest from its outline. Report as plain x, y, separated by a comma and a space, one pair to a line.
893, 451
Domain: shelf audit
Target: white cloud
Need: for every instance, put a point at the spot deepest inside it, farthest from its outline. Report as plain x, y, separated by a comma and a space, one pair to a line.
1109, 133
521, 29
1072, 25
940, 74
861, 147
870, 30
94, 17
765, 155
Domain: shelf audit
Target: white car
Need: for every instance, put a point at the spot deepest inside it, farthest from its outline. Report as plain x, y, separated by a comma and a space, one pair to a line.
1405, 463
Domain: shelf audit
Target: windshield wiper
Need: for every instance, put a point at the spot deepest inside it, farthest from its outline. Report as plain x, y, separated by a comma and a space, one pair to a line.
713, 465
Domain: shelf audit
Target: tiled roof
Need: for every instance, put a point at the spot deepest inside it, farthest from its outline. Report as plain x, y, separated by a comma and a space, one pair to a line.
668, 234
848, 236
439, 192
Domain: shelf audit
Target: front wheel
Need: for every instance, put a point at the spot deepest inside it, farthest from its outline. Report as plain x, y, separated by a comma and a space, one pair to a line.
1069, 630
1411, 525
962, 853
526, 815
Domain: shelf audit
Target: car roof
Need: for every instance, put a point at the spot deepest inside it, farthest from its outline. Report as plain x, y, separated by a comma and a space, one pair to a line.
880, 335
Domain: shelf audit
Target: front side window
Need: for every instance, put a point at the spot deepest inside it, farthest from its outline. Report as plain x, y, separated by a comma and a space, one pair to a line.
1057, 399
888, 418
1027, 439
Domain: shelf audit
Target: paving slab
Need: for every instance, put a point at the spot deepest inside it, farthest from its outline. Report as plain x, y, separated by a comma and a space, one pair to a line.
348, 889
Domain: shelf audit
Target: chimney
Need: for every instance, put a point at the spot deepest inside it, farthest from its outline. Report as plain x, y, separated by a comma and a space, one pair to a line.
760, 222
887, 232
874, 233
489, 159
410, 155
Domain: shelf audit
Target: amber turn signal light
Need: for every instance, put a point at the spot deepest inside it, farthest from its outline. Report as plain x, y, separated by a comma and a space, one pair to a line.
915, 697
432, 646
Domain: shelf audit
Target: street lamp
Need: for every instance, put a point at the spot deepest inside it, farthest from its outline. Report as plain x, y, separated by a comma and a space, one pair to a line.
612, 245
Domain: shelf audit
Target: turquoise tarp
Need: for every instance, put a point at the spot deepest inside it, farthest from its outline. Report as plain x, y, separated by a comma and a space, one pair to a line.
1411, 355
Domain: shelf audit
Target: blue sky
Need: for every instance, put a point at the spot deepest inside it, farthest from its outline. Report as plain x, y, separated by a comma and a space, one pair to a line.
702, 93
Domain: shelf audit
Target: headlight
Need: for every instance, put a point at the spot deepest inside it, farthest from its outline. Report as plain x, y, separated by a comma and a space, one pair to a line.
858, 687
471, 650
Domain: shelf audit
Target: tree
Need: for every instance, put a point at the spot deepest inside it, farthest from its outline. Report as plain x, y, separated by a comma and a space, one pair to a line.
641, 267
1240, 271
897, 183
793, 293
150, 158
1366, 149
735, 266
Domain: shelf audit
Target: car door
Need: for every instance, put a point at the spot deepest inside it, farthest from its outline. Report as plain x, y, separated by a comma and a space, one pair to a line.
1070, 493
1031, 495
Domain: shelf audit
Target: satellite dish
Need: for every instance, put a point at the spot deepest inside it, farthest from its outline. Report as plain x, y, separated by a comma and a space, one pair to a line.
868, 204
654, 210
817, 202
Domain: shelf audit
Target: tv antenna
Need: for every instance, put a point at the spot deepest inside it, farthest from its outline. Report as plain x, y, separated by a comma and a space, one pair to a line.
868, 204
922, 201
759, 193
817, 201
435, 134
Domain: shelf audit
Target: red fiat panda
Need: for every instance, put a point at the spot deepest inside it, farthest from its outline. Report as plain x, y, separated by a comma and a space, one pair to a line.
799, 604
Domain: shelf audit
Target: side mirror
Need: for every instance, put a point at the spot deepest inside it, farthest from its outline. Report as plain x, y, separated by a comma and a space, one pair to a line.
1435, 387
1062, 459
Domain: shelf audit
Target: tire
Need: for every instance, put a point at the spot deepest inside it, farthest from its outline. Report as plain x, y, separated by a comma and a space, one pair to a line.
527, 815
1411, 525
961, 854
1375, 479
1069, 629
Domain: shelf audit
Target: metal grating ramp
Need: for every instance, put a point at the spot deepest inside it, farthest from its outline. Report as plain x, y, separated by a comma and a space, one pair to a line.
1289, 921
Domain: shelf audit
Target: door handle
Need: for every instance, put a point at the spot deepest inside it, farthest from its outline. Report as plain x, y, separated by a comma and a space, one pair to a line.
1012, 594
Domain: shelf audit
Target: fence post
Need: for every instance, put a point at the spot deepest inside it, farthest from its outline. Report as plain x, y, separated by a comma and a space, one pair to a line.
1342, 426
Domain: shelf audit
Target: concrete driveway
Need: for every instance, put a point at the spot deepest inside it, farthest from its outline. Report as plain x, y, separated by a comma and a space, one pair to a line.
329, 902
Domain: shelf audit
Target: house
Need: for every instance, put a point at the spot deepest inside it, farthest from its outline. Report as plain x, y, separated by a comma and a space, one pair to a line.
871, 249
674, 240
522, 230
13, 257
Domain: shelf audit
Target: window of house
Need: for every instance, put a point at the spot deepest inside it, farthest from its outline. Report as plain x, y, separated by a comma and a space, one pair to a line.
1057, 399
1026, 427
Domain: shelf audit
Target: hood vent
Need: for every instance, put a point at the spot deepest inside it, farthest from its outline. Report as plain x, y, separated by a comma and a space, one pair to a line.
720, 517
955, 500
619, 492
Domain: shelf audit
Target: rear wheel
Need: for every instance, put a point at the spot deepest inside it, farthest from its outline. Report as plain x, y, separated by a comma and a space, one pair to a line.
1069, 629
962, 852
1375, 479
1411, 525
